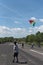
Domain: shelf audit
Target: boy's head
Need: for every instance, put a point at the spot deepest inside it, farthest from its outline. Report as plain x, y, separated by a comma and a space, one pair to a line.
15, 42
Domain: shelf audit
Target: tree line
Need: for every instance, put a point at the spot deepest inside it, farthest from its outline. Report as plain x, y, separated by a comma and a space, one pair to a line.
37, 39
6, 39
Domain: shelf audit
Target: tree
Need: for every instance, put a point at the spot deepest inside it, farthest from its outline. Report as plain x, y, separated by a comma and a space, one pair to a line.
30, 38
38, 38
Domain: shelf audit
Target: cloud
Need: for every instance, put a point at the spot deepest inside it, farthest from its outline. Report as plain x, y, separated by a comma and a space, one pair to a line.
36, 19
4, 30
30, 30
41, 20
36, 29
19, 32
15, 32
33, 18
40, 28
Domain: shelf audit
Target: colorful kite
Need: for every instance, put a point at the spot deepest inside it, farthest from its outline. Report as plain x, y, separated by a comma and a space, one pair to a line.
32, 22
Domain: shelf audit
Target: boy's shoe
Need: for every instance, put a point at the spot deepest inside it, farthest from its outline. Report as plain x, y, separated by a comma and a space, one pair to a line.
16, 61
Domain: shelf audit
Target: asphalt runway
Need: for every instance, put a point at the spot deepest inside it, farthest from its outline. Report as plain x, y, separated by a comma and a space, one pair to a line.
6, 56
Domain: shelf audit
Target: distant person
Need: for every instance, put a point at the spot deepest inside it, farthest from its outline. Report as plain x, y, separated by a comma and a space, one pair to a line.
32, 46
39, 45
22, 45
16, 51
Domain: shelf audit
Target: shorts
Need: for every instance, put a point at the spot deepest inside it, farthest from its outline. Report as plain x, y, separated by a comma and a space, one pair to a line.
15, 54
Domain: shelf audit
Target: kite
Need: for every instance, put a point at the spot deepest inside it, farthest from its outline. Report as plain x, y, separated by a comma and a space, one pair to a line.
32, 22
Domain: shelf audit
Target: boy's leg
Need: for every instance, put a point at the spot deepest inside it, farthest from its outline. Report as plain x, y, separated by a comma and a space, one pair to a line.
17, 57
14, 58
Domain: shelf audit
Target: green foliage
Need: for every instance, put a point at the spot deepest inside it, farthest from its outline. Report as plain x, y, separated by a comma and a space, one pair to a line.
6, 39
30, 38
37, 39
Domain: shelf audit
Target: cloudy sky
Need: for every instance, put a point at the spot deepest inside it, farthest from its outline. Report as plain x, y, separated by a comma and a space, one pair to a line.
15, 16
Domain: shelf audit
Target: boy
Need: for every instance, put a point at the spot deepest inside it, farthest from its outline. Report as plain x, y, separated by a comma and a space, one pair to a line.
15, 49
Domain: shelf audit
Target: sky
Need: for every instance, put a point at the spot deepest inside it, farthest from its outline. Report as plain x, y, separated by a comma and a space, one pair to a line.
15, 16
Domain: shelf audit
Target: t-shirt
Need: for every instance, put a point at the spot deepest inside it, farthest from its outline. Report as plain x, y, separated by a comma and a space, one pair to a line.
15, 48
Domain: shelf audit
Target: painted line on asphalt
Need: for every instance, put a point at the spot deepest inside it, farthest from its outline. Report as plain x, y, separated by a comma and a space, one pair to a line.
36, 52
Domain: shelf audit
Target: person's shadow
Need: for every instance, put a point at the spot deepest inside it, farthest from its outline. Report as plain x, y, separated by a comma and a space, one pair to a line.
22, 62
